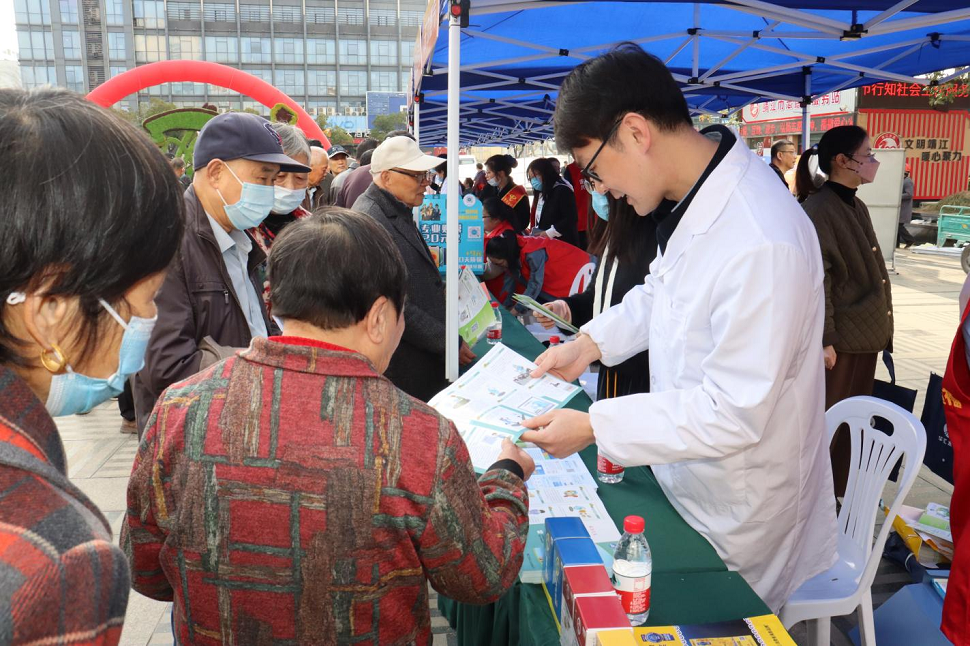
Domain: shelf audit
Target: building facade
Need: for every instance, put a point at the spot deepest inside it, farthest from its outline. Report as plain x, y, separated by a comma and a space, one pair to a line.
325, 54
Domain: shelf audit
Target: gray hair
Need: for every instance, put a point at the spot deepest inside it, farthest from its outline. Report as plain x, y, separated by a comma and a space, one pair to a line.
293, 140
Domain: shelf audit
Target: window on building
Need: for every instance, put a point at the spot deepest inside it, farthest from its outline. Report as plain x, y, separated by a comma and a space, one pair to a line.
72, 43
117, 48
220, 12
383, 16
255, 50
290, 81
353, 108
353, 52
405, 81
320, 15
183, 89
322, 82
384, 81
184, 11
149, 13
262, 73
221, 49
114, 12
115, 70
36, 45
32, 76
353, 83
321, 51
32, 12
350, 15
253, 13
185, 48
74, 78
287, 14
68, 9
321, 108
149, 49
411, 18
407, 52
383, 52
288, 50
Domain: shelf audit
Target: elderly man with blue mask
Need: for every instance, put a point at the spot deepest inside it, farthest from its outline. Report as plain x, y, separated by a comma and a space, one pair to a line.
210, 300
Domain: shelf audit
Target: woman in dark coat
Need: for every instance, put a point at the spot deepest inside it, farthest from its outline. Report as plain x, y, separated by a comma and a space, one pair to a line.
498, 174
555, 203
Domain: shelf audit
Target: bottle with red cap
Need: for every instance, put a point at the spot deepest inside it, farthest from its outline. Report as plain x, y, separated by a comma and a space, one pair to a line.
493, 334
554, 341
607, 471
632, 568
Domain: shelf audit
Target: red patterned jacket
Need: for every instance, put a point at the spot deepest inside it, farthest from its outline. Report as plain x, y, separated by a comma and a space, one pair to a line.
291, 493
62, 581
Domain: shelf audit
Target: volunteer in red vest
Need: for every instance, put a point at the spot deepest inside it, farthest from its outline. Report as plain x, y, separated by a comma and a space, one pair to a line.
541, 268
956, 403
498, 174
497, 218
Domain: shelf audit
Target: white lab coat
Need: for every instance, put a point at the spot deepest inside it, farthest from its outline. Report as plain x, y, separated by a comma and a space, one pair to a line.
734, 425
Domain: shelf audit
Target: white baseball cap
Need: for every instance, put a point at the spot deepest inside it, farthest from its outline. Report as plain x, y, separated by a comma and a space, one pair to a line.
403, 153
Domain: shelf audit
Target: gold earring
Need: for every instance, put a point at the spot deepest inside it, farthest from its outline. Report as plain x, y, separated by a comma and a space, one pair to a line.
54, 359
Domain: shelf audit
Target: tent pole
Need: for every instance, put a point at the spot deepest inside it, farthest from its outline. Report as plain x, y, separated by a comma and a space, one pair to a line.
806, 103
451, 235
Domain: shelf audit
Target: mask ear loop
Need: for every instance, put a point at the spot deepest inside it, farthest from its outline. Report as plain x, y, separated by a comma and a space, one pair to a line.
54, 360
113, 313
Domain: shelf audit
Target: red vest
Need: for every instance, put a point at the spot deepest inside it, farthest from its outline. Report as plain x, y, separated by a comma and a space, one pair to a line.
562, 266
956, 402
496, 286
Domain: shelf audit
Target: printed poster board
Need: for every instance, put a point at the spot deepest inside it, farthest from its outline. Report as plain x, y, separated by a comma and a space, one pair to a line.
431, 218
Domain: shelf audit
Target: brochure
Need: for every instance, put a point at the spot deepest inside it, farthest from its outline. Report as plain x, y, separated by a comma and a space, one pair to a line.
475, 311
765, 630
935, 521
533, 305
489, 402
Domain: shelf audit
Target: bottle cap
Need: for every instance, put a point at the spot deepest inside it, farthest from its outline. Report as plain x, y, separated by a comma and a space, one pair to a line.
495, 305
633, 525
554, 339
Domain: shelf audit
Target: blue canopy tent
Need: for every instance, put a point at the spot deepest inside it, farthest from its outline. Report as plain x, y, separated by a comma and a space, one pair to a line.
513, 56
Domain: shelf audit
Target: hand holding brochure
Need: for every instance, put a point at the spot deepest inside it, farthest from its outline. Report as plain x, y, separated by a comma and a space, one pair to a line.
474, 308
533, 305
489, 402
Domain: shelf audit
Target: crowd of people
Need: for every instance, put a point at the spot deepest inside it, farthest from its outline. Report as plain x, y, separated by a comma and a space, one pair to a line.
282, 323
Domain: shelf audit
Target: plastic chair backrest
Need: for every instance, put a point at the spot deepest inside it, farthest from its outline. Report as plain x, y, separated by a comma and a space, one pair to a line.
874, 454
583, 276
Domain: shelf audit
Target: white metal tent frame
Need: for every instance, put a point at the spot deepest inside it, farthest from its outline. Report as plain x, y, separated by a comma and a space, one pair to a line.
534, 107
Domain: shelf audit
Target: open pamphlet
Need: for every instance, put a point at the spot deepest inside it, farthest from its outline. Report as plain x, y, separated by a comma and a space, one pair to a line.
534, 305
489, 402
931, 548
475, 311
766, 630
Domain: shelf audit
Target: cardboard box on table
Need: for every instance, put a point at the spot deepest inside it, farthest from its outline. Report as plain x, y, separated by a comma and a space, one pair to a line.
578, 582
594, 615
567, 553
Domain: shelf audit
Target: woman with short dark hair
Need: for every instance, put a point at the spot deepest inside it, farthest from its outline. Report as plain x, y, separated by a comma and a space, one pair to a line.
858, 296
555, 203
92, 217
498, 174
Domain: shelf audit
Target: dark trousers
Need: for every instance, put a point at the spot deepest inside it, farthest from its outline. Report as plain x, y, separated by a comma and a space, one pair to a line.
583, 240
852, 376
126, 402
903, 236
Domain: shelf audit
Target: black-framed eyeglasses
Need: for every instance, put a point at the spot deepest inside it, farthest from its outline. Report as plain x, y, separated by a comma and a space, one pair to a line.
418, 177
870, 157
589, 176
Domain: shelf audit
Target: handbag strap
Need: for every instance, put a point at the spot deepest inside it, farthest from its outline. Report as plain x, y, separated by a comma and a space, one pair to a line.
887, 359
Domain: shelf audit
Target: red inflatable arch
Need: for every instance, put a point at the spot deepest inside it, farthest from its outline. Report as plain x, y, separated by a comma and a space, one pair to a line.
144, 76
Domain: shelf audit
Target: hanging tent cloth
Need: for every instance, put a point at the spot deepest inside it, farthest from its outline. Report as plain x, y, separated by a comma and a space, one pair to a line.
724, 55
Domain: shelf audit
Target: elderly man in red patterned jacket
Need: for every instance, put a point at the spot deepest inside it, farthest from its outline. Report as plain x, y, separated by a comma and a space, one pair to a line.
292, 493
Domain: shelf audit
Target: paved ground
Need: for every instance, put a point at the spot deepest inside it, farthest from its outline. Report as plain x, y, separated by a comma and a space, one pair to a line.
925, 294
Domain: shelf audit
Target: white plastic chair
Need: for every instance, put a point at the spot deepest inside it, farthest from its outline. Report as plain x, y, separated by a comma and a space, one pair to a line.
583, 276
845, 586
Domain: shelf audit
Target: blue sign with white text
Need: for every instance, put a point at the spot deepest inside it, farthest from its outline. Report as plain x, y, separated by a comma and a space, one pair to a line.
432, 218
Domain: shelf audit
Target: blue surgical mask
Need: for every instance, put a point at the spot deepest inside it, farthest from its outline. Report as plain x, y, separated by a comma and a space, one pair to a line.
601, 205
287, 199
536, 184
255, 203
73, 393
492, 182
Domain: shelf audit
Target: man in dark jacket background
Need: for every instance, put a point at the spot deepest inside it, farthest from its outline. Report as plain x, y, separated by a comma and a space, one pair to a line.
400, 172
210, 299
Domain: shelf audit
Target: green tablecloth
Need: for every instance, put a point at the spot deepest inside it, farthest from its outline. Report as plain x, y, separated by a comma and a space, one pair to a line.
690, 584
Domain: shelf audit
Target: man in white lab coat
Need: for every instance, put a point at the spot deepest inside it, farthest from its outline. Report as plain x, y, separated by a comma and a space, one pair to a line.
732, 313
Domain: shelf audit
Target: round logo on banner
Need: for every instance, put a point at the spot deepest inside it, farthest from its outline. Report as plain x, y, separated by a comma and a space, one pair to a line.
760, 148
887, 140
754, 109
469, 200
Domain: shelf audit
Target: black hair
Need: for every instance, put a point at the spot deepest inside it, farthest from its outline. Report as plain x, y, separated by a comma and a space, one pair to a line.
443, 166
775, 147
315, 143
499, 210
366, 157
843, 140
504, 247
368, 143
627, 236
542, 167
329, 269
634, 81
501, 163
177, 163
399, 133
90, 208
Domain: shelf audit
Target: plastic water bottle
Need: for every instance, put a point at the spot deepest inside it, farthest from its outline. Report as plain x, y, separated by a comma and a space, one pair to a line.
632, 567
494, 332
554, 341
608, 472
